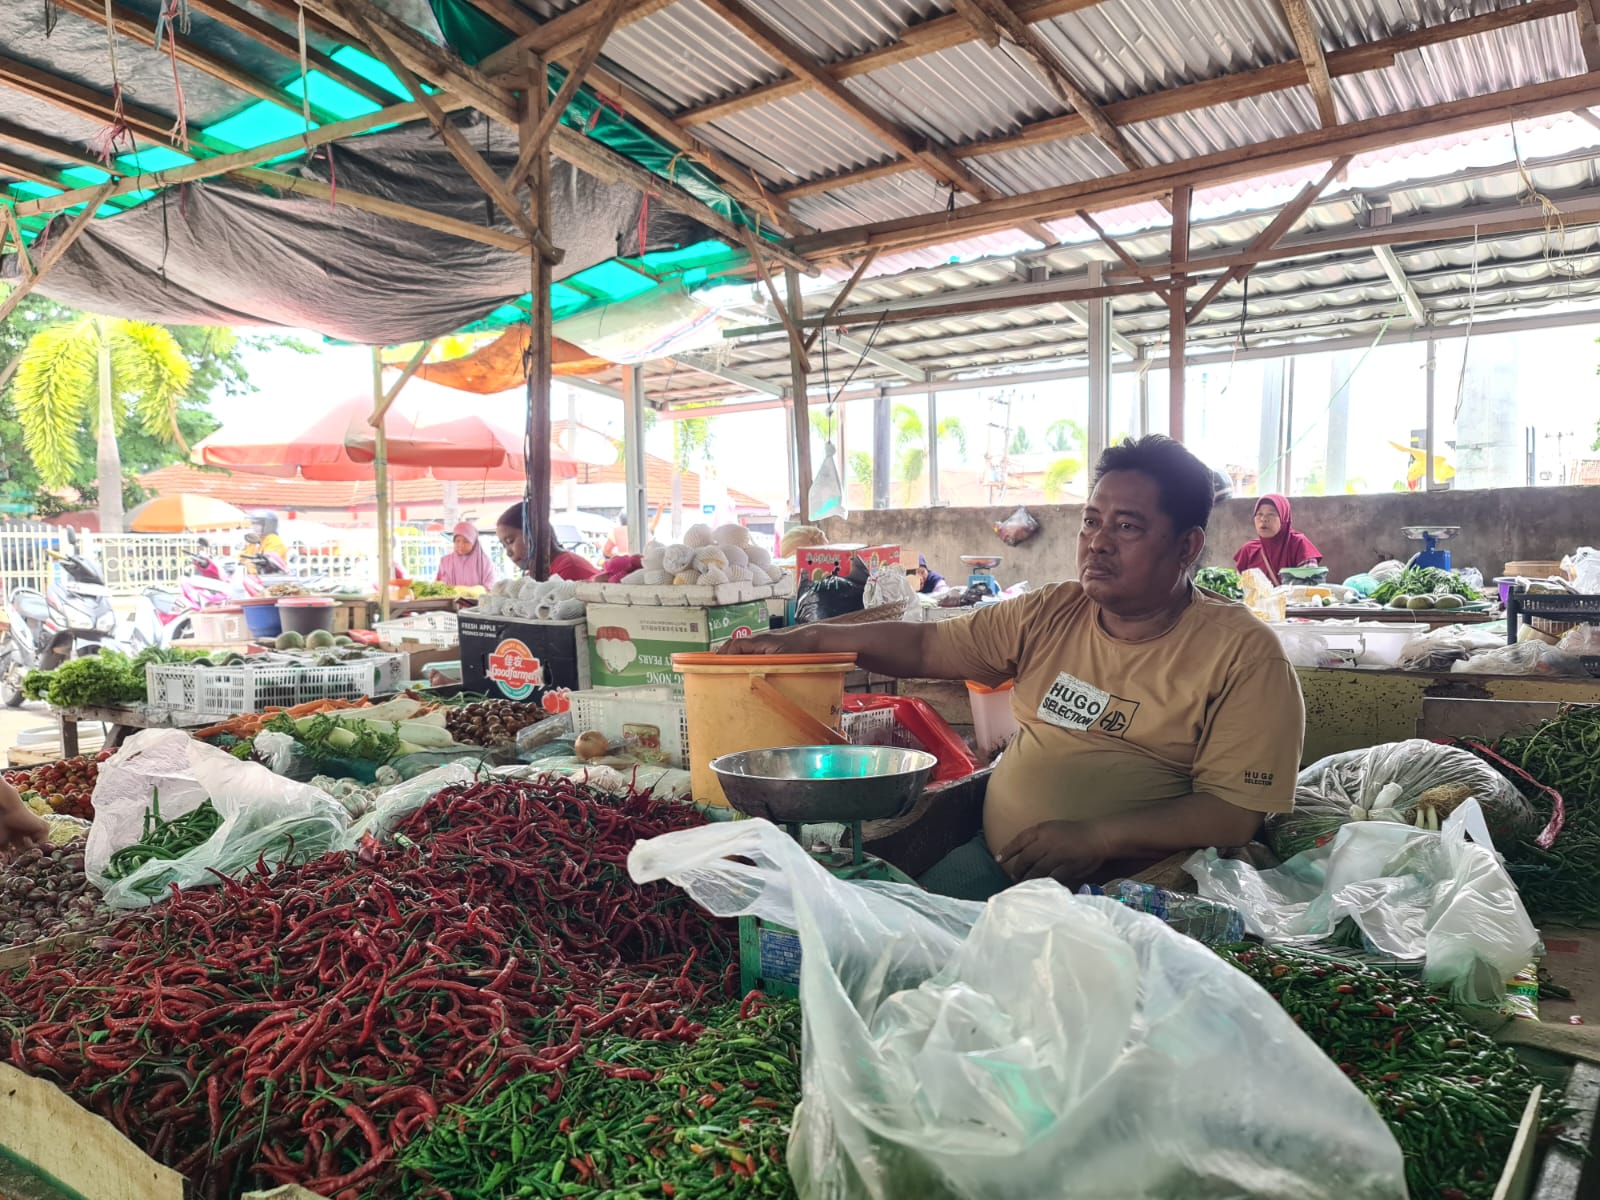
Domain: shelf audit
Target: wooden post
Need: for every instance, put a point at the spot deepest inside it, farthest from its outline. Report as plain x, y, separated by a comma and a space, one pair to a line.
380, 480
536, 510
1178, 331
801, 412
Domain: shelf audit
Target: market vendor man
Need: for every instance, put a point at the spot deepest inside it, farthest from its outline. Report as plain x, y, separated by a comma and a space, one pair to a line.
1154, 717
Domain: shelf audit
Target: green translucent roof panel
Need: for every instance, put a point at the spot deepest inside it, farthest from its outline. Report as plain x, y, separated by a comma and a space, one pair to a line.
152, 158
370, 69
259, 124
613, 281
332, 96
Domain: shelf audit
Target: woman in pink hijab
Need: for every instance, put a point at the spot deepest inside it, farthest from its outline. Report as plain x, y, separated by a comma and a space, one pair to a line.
1277, 543
468, 564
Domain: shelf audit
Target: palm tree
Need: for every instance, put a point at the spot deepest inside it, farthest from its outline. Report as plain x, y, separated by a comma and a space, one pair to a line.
1058, 475
691, 448
108, 372
1064, 436
1021, 443
911, 443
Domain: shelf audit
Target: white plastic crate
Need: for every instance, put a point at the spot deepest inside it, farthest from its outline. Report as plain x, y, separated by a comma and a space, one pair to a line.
650, 723
217, 626
434, 630
227, 691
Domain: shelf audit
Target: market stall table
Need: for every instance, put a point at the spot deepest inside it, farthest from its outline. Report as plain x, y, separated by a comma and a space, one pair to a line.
121, 722
1425, 616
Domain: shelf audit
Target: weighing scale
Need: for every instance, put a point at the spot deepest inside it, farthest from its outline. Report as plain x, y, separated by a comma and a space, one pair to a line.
795, 786
1430, 536
981, 572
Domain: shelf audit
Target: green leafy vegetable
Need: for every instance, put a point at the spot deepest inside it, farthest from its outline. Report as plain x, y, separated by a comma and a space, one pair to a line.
1425, 581
1224, 581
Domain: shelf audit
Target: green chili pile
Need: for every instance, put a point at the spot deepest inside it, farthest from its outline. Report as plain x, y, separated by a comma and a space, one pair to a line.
1452, 1096
1559, 881
636, 1118
305, 1027
164, 839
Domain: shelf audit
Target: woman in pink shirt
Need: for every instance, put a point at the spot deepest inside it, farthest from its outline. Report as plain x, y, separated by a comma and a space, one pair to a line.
468, 564
563, 563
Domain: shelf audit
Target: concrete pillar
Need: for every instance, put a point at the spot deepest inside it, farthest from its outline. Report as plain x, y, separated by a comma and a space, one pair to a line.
1336, 470
1489, 434
933, 449
1099, 366
1270, 454
633, 460
880, 449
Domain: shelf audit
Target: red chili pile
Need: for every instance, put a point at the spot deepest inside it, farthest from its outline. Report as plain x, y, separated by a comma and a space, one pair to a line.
305, 1027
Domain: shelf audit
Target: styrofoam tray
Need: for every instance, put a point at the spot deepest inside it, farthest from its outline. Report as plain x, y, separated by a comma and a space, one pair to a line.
640, 595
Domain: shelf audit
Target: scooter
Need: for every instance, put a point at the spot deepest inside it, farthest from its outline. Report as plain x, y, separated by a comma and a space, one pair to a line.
162, 616
72, 618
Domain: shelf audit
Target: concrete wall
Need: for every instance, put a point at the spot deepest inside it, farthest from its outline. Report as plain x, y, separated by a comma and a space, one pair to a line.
1353, 532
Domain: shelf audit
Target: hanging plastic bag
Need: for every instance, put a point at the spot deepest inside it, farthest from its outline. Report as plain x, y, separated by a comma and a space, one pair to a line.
1436, 898
1017, 528
265, 818
1039, 1046
826, 498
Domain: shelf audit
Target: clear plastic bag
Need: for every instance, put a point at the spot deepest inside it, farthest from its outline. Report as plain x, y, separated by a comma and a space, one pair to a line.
1442, 648
1017, 528
1040, 1046
1581, 642
1413, 894
1586, 570
391, 808
1525, 658
265, 818
1329, 789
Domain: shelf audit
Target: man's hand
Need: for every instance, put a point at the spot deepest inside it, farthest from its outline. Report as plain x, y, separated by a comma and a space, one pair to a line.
19, 827
1066, 851
792, 641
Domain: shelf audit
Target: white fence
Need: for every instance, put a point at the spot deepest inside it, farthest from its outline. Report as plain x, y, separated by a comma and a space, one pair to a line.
25, 553
132, 562
421, 553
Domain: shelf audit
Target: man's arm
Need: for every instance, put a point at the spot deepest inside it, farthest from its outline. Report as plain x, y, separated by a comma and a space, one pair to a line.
1071, 851
897, 648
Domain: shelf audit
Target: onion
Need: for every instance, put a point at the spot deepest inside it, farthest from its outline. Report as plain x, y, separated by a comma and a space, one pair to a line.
592, 744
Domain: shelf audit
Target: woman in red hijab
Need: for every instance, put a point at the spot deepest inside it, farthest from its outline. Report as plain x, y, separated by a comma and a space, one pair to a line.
1277, 543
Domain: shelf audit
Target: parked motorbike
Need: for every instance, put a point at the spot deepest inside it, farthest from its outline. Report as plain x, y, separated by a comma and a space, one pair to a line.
73, 617
164, 615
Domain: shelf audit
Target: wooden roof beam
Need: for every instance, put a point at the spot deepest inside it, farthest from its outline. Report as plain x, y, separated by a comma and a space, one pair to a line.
1587, 14
563, 34
1242, 162
136, 28
1308, 41
926, 37
1220, 90
796, 58
81, 101
982, 23
286, 43
1060, 80
55, 247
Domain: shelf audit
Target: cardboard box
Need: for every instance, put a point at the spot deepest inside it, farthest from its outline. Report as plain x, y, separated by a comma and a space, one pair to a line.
818, 562
516, 659
633, 645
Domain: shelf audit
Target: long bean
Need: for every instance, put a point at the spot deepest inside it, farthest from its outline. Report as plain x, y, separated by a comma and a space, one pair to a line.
164, 839
1450, 1094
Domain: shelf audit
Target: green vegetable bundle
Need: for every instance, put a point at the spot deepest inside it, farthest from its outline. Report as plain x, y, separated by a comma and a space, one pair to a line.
163, 839
1425, 581
1451, 1095
102, 680
1562, 882
1224, 581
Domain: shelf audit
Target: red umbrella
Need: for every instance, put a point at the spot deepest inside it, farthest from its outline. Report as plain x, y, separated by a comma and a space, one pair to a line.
429, 436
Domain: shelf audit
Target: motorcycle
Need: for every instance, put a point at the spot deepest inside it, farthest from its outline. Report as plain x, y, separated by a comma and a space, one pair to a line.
71, 618
162, 616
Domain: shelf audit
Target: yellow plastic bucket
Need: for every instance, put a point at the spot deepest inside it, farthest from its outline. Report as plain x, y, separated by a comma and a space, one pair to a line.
756, 702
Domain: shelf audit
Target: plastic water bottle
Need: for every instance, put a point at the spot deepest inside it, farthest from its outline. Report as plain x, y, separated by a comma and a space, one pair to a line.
1204, 920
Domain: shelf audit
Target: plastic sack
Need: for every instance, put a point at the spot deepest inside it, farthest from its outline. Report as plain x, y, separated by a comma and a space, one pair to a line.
1037, 1046
1442, 648
1413, 894
891, 586
1017, 528
1305, 648
391, 808
282, 755
1261, 597
1329, 788
1581, 642
1586, 570
1532, 657
265, 818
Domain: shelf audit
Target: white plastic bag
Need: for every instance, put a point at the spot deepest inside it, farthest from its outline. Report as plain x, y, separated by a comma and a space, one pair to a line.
1581, 642
1524, 658
265, 818
1414, 894
1440, 649
1586, 570
1039, 1046
403, 799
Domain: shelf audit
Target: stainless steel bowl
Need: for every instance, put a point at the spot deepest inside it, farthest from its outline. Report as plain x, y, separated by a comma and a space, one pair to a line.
824, 783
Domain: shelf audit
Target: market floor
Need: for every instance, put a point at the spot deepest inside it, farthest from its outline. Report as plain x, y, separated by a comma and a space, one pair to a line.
14, 720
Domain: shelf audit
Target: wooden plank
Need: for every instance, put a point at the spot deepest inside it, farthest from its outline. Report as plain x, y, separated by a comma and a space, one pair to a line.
243, 21
508, 14
1243, 162
537, 141
1206, 93
1272, 234
140, 29
1588, 23
1308, 41
82, 101
222, 164
55, 248
926, 37
42, 1127
1518, 1174
982, 23
293, 185
562, 34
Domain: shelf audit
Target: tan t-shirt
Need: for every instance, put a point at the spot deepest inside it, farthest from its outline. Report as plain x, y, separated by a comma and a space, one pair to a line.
1210, 706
